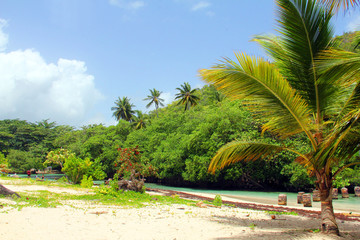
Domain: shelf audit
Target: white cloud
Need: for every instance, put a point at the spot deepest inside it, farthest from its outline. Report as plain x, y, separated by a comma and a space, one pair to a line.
4, 38
168, 97
354, 25
99, 118
127, 4
200, 5
32, 89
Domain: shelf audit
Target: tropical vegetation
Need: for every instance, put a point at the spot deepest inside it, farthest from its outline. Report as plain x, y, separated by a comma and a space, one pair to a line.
187, 96
296, 114
308, 88
123, 109
155, 99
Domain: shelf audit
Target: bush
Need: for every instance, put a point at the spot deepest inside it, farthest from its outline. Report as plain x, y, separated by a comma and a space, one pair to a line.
217, 200
63, 179
87, 182
75, 168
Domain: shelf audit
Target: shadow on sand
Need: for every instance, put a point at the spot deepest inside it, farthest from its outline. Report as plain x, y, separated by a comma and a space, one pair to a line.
284, 227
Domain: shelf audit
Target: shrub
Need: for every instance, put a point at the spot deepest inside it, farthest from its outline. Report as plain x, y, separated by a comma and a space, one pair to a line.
87, 182
217, 200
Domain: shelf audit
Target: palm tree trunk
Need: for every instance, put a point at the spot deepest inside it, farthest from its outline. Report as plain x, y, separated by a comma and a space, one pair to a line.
328, 221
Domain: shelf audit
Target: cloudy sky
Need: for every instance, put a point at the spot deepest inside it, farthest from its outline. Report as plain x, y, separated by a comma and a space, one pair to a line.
69, 60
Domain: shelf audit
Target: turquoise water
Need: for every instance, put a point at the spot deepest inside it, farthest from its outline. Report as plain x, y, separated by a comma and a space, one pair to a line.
351, 204
46, 176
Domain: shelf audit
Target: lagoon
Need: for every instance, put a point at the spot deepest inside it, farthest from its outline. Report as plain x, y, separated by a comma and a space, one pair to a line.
351, 204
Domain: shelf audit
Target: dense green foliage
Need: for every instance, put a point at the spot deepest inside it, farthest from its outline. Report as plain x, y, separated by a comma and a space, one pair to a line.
349, 41
179, 144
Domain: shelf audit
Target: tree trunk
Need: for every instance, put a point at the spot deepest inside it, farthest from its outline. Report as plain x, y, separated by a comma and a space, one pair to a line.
328, 221
7, 192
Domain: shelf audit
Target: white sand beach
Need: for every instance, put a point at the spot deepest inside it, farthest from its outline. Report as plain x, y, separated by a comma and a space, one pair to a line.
94, 221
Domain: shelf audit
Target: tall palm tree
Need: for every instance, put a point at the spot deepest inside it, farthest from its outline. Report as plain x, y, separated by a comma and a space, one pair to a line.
123, 109
293, 97
187, 96
155, 99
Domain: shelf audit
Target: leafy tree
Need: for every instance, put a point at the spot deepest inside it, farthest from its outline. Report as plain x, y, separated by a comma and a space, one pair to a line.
293, 97
4, 164
155, 99
187, 96
58, 157
123, 109
76, 168
20, 161
130, 166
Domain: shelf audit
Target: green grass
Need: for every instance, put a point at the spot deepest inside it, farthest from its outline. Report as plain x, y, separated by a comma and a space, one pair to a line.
281, 213
103, 195
252, 226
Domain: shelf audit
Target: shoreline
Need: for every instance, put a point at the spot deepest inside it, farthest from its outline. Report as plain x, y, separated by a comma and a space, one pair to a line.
93, 220
308, 212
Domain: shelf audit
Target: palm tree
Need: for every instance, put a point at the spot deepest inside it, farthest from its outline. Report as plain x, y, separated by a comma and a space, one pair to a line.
140, 121
187, 96
155, 99
335, 5
123, 109
292, 97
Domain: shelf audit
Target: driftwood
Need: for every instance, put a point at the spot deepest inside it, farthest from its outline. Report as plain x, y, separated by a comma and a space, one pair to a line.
7, 192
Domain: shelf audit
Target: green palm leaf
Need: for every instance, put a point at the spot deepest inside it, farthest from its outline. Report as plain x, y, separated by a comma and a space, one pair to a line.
187, 96
265, 93
336, 5
237, 151
155, 99
306, 31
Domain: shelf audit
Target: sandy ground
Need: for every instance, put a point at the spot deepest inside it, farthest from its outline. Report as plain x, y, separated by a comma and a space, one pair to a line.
92, 221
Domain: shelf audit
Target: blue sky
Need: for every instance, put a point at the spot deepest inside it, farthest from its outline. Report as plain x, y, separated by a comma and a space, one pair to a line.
69, 60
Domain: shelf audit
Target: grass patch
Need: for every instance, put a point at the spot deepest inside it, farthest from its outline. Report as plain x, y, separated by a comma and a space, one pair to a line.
103, 195
252, 226
281, 213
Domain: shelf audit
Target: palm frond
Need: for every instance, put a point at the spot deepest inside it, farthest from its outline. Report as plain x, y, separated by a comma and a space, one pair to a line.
305, 31
336, 5
237, 151
265, 92
342, 142
339, 67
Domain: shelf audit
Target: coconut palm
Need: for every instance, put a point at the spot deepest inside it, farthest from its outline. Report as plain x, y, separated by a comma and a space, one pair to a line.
155, 99
139, 120
187, 96
123, 109
292, 97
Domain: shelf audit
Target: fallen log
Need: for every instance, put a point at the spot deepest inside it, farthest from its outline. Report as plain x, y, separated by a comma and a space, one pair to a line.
7, 192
